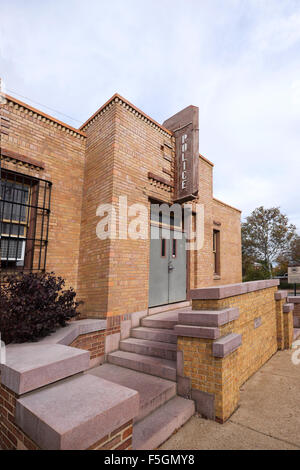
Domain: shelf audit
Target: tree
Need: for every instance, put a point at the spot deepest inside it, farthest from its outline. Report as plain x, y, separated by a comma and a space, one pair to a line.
295, 251
291, 258
267, 235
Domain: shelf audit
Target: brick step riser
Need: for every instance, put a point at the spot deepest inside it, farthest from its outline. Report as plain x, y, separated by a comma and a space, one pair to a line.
149, 351
163, 372
154, 336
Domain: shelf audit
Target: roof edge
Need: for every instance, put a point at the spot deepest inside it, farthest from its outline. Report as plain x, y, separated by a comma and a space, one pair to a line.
227, 205
206, 160
118, 98
44, 115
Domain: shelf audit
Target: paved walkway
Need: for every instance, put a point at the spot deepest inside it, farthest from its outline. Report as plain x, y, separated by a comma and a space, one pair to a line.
268, 416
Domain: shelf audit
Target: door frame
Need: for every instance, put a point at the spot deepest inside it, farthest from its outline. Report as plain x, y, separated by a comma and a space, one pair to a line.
153, 200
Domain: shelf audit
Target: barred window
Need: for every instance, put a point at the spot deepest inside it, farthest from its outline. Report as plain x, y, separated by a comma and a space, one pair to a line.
24, 221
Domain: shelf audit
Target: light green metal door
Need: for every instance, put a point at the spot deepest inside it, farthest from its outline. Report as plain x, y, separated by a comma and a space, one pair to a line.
177, 268
167, 277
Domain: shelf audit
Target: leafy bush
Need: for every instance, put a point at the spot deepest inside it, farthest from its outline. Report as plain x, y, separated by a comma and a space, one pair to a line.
34, 305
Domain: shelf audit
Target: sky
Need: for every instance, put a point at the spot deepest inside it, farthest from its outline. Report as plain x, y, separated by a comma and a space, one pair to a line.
237, 60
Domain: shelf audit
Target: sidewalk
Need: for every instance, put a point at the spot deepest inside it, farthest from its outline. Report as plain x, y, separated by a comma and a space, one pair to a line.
268, 416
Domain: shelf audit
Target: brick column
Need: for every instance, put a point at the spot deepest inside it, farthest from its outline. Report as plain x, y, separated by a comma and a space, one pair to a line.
296, 301
288, 325
280, 298
207, 361
212, 380
230, 333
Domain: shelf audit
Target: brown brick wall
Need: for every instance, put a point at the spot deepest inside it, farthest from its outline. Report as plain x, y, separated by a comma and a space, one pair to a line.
230, 243
63, 156
258, 344
93, 342
137, 149
297, 310
280, 323
120, 149
94, 260
11, 436
264, 328
120, 439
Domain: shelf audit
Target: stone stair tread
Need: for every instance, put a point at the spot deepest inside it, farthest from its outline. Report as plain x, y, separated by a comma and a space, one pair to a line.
31, 366
150, 343
156, 428
74, 413
161, 320
147, 332
150, 348
147, 364
153, 391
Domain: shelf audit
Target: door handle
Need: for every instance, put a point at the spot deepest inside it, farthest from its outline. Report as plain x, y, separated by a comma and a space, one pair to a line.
170, 266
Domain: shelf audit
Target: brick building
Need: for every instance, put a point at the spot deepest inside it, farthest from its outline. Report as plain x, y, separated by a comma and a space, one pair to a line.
54, 178
61, 190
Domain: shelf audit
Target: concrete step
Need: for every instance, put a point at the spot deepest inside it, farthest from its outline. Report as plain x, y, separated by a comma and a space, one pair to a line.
156, 428
31, 366
153, 391
165, 320
75, 413
146, 364
150, 348
168, 307
154, 334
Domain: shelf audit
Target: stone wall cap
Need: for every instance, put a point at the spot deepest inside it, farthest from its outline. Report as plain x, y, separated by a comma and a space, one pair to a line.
197, 331
226, 345
213, 318
31, 366
287, 308
76, 413
281, 294
231, 290
74, 329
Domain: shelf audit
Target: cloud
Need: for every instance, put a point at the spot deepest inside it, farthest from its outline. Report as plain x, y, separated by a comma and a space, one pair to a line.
237, 60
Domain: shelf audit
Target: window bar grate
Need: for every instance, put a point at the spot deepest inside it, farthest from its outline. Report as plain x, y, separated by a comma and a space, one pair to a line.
24, 221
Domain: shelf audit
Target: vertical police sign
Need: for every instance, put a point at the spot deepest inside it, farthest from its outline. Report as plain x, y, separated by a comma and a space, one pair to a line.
185, 126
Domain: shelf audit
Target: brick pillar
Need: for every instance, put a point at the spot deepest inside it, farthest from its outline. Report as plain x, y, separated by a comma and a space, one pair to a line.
288, 325
280, 298
209, 380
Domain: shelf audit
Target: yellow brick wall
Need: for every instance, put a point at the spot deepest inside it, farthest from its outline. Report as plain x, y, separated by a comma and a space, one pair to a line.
258, 344
95, 254
63, 155
120, 148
